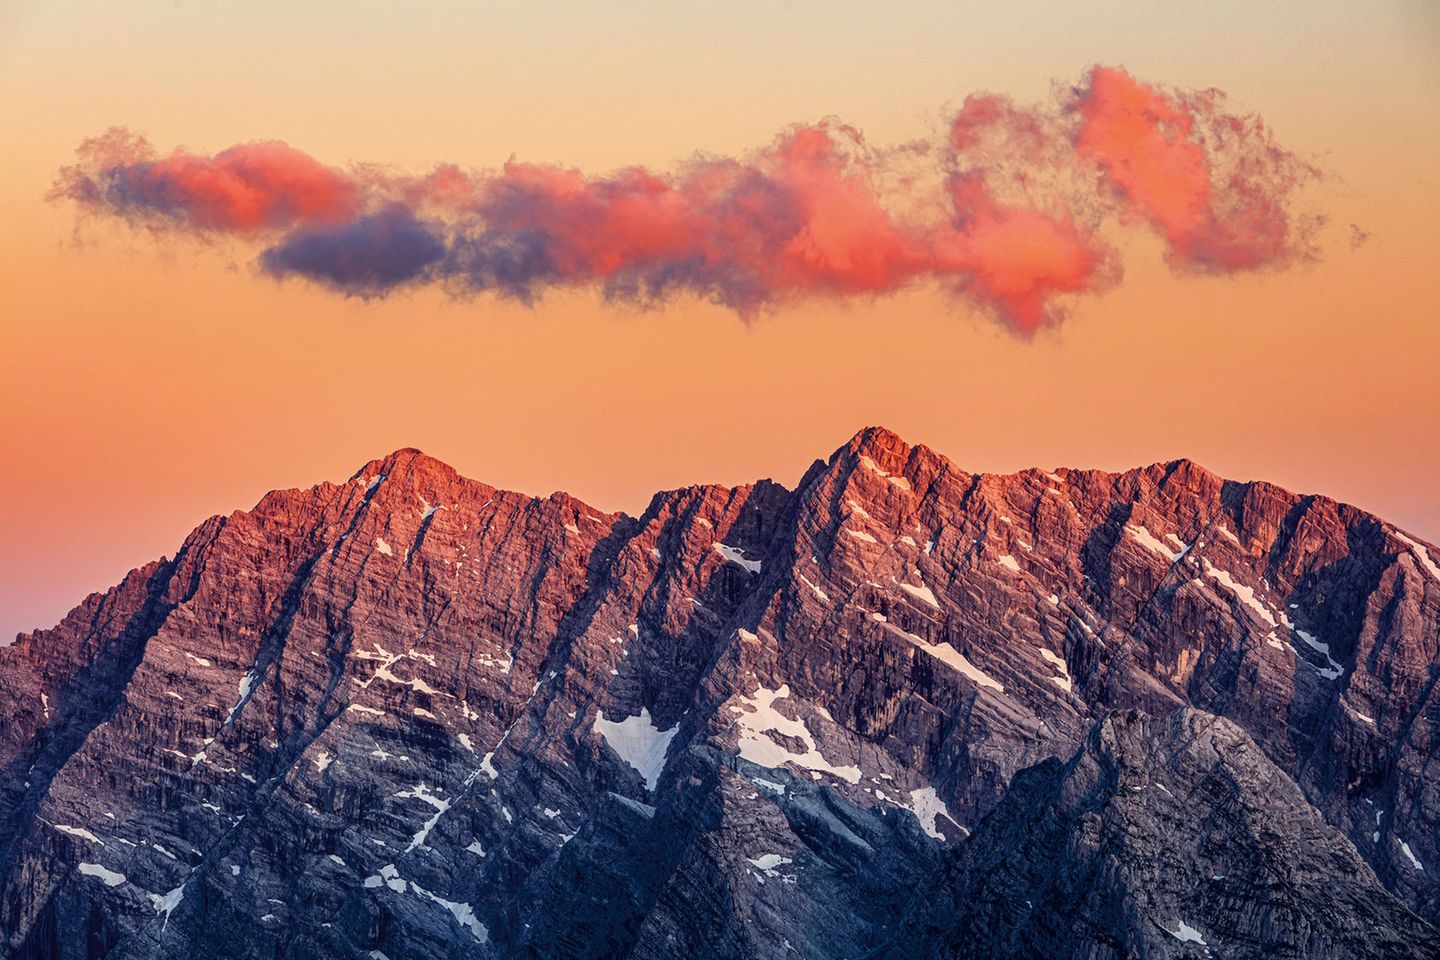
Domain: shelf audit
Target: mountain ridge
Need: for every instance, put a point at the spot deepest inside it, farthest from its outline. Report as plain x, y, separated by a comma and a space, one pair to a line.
890, 643
376, 465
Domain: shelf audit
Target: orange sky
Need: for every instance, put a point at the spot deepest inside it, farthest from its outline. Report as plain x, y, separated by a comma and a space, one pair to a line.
146, 385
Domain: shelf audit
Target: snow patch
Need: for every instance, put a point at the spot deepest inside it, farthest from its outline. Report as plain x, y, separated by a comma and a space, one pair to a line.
1334, 670
1363, 718
926, 804
80, 832
921, 592
1148, 540
1421, 554
872, 466
422, 793
768, 785
639, 742
1244, 594
1186, 934
247, 684
769, 863
167, 903
108, 877
463, 913
762, 717
1058, 662
952, 658
736, 556
382, 547
1010, 563
388, 877
818, 592
488, 661
861, 535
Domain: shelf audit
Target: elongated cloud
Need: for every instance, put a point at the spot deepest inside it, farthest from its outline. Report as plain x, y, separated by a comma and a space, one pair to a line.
1005, 211
1214, 184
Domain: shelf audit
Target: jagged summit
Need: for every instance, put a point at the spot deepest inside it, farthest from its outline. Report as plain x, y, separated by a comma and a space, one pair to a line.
878, 443
416, 716
407, 462
880, 447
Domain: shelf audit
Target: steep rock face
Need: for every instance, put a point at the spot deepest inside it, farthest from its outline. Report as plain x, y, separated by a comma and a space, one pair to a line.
414, 715
1164, 837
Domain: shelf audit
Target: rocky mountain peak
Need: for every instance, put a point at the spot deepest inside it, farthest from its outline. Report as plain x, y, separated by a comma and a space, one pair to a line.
888, 455
884, 446
411, 470
414, 716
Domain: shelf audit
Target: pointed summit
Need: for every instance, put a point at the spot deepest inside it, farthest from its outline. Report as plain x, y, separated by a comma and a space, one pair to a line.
406, 459
882, 446
412, 467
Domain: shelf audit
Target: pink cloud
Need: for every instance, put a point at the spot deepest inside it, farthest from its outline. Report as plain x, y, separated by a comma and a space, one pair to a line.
1004, 211
1214, 184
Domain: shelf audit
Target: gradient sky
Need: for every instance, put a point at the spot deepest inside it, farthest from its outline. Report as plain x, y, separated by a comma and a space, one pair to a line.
145, 384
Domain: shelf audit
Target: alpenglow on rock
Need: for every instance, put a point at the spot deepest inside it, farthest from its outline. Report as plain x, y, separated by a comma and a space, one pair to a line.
901, 711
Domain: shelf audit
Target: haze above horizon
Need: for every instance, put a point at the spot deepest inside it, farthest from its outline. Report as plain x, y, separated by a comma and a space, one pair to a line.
162, 364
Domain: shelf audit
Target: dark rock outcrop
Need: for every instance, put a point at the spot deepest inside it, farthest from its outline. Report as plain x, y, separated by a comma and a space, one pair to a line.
1162, 837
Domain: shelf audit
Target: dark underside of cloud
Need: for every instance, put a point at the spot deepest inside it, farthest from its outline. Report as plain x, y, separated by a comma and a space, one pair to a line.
1004, 210
366, 256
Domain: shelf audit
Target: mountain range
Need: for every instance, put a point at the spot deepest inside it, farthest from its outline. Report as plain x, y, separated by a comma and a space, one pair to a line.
901, 711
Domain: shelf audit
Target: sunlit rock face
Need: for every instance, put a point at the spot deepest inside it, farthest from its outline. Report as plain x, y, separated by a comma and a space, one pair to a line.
900, 711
